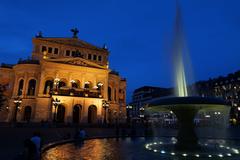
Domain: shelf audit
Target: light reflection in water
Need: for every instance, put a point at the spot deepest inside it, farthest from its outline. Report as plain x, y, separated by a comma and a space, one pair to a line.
125, 149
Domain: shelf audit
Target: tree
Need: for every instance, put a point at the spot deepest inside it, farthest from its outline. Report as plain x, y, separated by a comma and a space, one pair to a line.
3, 98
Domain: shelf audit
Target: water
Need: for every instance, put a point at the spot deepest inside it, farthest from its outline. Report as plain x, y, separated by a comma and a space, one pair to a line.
178, 55
135, 149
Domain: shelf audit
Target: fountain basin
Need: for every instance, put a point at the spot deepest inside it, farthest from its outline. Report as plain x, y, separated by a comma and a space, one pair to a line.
185, 109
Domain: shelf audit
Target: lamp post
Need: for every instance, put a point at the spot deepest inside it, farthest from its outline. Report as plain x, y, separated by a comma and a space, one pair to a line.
56, 103
129, 109
17, 101
105, 105
142, 113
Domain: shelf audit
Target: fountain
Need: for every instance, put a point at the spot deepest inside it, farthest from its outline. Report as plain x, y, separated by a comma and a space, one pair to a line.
185, 107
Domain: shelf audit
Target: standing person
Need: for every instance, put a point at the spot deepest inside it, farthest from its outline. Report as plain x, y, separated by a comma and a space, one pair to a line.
82, 135
36, 139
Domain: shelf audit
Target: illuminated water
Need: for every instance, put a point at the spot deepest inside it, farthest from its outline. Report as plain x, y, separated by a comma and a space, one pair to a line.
135, 149
178, 56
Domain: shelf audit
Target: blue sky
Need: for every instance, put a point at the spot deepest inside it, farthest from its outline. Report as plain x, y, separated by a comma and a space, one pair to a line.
137, 32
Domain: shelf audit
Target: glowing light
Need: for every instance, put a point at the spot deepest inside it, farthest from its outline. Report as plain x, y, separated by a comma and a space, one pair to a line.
197, 155
162, 151
155, 143
173, 153
95, 87
220, 155
209, 156
154, 150
72, 81
229, 154
146, 146
184, 154
181, 79
221, 146
235, 151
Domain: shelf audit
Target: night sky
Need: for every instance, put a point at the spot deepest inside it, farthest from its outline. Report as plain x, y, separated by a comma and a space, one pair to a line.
138, 34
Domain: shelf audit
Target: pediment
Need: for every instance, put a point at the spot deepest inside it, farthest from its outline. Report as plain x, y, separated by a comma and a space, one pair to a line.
77, 62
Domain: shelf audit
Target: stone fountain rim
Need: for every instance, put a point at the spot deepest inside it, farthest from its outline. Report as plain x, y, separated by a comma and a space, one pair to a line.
187, 100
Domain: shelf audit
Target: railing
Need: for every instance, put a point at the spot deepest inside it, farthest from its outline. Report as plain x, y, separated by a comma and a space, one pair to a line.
78, 92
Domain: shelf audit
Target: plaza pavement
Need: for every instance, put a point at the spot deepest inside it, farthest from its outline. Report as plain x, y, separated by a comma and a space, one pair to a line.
12, 138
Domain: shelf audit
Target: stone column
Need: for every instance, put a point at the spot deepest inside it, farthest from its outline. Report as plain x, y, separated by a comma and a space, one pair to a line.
41, 83
25, 85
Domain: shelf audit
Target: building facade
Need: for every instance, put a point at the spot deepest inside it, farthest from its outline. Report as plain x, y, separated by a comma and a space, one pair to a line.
69, 71
225, 87
144, 95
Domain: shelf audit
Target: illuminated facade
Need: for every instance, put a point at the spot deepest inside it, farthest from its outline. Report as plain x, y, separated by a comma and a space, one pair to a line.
71, 71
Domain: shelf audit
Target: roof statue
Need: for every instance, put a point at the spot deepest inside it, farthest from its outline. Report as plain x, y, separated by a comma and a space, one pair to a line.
39, 35
75, 32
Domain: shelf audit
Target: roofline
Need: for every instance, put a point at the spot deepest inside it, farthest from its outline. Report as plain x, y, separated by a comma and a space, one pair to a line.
52, 38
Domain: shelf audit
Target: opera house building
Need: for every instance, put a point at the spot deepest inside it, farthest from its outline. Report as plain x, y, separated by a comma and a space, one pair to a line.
66, 80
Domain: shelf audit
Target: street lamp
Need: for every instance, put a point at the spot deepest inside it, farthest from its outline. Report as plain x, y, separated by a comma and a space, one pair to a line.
17, 101
105, 105
56, 103
141, 112
129, 108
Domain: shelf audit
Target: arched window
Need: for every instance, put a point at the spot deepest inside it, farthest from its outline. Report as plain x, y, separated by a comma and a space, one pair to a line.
109, 93
87, 85
48, 87
75, 83
61, 84
31, 87
27, 113
77, 113
60, 114
20, 87
99, 86
92, 114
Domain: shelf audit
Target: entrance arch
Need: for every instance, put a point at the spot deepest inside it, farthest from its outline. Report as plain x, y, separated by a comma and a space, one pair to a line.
77, 113
92, 114
27, 113
60, 114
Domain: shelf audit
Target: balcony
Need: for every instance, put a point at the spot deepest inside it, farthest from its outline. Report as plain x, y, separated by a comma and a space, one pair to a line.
78, 92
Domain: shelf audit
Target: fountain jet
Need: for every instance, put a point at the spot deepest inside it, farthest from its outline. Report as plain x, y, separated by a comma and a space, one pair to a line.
178, 54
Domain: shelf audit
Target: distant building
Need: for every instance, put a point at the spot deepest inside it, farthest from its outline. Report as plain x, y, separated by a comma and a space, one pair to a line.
143, 95
227, 88
67, 72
